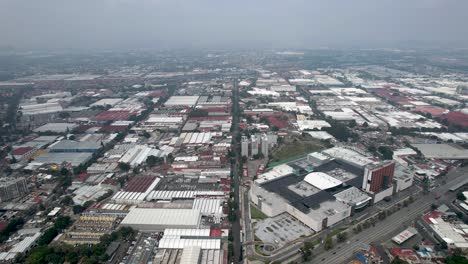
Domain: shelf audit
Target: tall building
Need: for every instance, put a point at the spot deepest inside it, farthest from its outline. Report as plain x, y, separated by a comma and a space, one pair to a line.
265, 145
254, 145
244, 147
378, 176
13, 188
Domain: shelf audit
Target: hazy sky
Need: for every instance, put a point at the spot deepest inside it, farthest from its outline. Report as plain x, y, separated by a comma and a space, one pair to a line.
135, 24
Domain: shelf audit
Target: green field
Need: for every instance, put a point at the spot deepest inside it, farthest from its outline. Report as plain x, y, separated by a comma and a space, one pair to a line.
295, 149
256, 214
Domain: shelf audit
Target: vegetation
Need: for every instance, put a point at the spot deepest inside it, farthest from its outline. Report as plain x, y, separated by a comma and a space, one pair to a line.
295, 148
341, 237
256, 214
12, 227
397, 260
124, 166
307, 251
387, 153
153, 161
61, 223
456, 259
340, 131
87, 254
328, 243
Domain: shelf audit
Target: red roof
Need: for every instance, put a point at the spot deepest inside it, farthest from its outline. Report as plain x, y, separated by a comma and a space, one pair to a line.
405, 254
434, 111
3, 225
158, 94
21, 151
82, 177
216, 232
457, 118
433, 214
139, 183
113, 115
211, 118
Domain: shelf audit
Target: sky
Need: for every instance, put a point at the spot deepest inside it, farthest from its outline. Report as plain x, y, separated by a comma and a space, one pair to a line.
277, 24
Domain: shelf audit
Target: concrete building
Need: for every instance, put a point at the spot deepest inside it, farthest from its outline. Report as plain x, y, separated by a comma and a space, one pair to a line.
265, 145
378, 179
244, 147
378, 176
158, 219
309, 197
12, 188
254, 145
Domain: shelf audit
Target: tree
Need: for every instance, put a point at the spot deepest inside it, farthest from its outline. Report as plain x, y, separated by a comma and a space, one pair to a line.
12, 227
62, 222
461, 196
328, 243
426, 184
124, 166
153, 160
341, 237
66, 200
365, 124
78, 209
146, 134
64, 171
397, 260
352, 123
307, 251
456, 259
386, 152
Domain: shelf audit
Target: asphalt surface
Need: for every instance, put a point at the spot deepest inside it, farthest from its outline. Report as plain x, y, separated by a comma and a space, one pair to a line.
236, 227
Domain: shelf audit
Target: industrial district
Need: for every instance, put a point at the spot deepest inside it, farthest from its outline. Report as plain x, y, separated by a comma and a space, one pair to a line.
315, 156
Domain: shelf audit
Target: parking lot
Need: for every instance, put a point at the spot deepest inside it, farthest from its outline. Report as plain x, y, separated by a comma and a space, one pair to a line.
281, 229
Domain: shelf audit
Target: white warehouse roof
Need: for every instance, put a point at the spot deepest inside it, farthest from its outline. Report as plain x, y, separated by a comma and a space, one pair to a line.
149, 219
321, 180
182, 100
179, 243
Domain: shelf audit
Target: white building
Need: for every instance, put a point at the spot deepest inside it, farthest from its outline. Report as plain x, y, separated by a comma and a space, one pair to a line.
244, 147
158, 219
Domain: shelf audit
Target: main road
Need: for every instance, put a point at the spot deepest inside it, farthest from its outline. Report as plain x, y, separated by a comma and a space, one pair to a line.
236, 228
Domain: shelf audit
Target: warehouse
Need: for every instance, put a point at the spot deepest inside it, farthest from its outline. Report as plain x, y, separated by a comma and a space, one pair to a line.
75, 159
442, 151
139, 153
157, 219
182, 101
56, 127
74, 146
107, 101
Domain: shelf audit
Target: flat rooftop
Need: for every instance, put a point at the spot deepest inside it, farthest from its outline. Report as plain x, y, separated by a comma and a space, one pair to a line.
442, 151
304, 196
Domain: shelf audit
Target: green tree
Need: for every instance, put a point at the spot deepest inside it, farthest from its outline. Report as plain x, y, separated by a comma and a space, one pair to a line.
328, 243
397, 260
124, 166
342, 236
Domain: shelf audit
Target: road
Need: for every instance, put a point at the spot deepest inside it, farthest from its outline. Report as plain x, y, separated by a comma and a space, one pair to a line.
387, 228
236, 227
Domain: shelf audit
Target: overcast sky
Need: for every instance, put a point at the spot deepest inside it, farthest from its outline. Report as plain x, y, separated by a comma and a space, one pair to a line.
146, 24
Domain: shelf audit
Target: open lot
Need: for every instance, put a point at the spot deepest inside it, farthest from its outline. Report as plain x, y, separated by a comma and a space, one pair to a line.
295, 147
